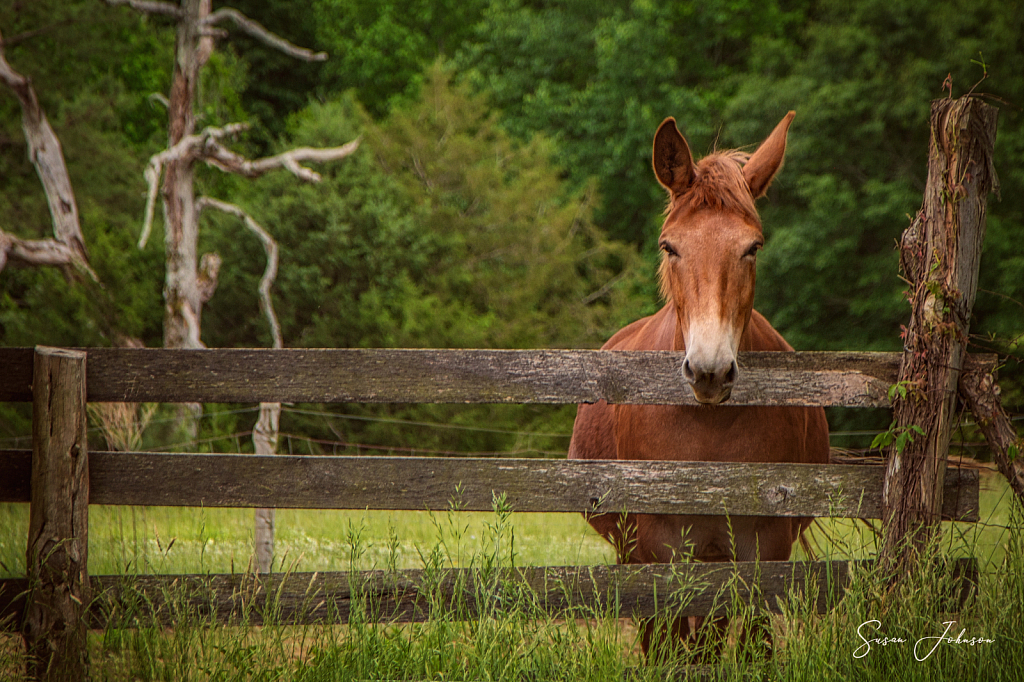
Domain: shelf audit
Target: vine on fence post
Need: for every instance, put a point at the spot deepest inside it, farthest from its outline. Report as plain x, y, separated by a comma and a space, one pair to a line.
939, 255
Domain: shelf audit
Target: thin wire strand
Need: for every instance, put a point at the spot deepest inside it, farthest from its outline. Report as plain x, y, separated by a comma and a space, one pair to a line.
162, 420
409, 422
422, 451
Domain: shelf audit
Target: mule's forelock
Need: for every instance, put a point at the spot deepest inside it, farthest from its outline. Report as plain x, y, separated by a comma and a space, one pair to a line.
718, 184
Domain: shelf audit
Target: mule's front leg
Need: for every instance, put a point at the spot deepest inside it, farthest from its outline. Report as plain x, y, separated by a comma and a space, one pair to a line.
664, 639
659, 539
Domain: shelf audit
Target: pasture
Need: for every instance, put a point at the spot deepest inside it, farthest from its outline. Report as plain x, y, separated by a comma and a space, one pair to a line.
516, 642
178, 540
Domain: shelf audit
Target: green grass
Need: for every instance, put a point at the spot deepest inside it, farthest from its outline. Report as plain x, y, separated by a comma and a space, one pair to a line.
126, 539
514, 640
189, 540
984, 540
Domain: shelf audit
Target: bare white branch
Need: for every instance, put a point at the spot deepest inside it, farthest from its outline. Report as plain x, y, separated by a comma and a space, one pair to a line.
264, 440
213, 33
230, 162
44, 151
206, 147
269, 273
150, 7
152, 175
189, 147
265, 432
40, 252
257, 31
207, 276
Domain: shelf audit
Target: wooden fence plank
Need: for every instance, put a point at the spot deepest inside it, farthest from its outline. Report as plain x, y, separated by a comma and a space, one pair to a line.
429, 483
405, 596
459, 376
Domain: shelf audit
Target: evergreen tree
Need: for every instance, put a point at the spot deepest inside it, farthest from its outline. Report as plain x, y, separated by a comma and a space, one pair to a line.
440, 232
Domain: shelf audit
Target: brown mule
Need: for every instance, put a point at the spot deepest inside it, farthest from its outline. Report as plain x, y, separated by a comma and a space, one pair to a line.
709, 240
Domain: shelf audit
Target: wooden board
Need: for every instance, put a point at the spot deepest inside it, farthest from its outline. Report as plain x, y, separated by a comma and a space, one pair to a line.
694, 589
429, 483
460, 376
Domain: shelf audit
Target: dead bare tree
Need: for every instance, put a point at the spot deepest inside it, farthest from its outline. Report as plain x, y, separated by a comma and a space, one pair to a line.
67, 248
264, 434
191, 281
188, 285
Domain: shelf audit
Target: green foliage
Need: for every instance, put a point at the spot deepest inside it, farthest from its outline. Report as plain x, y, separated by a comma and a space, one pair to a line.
277, 85
900, 436
381, 47
440, 231
600, 77
901, 389
430, 239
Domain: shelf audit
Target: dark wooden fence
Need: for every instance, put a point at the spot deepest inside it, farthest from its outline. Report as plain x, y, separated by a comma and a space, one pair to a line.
59, 477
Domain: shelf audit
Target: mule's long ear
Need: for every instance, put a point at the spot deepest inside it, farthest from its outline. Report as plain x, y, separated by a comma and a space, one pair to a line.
673, 163
766, 161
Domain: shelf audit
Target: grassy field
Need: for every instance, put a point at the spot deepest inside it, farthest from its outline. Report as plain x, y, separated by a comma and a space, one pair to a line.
516, 642
188, 540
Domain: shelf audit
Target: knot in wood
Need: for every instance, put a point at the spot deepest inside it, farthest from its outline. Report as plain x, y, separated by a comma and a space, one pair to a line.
779, 493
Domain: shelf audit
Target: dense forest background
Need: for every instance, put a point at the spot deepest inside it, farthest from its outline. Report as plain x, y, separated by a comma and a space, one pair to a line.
502, 195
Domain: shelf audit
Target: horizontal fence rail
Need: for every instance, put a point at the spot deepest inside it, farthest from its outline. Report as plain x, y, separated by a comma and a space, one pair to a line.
529, 485
461, 376
684, 590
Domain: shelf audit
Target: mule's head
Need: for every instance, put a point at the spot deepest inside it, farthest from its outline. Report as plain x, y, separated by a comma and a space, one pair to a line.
709, 242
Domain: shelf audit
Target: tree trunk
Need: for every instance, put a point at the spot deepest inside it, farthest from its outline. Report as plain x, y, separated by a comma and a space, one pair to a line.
183, 295
264, 438
181, 288
187, 287
939, 254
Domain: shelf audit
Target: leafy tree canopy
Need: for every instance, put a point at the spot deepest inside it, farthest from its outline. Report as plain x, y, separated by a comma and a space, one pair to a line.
502, 199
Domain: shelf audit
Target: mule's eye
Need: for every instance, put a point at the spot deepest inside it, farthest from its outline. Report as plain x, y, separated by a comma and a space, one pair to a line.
754, 248
667, 248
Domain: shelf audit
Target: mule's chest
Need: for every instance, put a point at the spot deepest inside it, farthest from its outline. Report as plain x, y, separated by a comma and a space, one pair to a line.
723, 434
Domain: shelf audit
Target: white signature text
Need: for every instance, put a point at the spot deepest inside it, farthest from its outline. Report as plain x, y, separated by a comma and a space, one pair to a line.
923, 648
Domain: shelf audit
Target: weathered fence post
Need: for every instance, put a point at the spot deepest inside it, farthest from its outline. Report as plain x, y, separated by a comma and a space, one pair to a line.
58, 543
939, 254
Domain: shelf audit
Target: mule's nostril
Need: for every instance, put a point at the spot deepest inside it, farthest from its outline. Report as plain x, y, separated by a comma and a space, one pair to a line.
730, 376
688, 371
